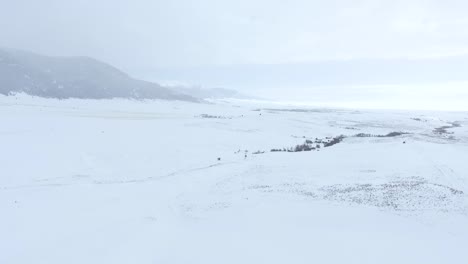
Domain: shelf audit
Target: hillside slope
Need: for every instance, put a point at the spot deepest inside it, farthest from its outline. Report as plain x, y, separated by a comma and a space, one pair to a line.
73, 77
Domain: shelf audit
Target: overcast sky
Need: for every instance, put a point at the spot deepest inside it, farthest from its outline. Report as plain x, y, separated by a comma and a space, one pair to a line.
144, 37
140, 33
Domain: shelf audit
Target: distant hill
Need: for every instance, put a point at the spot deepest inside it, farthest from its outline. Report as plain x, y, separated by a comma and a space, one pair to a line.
73, 77
210, 93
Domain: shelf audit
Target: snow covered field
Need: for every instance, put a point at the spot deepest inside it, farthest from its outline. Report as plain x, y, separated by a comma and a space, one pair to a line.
116, 181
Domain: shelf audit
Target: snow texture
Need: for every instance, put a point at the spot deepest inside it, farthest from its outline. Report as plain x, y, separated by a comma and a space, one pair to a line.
120, 181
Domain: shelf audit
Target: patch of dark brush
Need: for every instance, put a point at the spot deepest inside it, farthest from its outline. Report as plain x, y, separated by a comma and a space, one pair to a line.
300, 110
334, 141
260, 187
310, 145
391, 134
214, 116
351, 128
297, 148
444, 129
412, 194
419, 119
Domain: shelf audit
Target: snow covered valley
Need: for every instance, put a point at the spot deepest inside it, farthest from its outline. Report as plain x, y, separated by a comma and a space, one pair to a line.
120, 181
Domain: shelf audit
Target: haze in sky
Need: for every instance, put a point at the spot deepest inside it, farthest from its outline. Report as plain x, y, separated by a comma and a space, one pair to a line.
271, 48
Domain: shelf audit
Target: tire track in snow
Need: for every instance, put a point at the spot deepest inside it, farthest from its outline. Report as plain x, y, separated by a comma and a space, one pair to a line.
96, 182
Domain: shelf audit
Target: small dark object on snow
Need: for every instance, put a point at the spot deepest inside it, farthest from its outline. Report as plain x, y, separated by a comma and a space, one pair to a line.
219, 159
404, 142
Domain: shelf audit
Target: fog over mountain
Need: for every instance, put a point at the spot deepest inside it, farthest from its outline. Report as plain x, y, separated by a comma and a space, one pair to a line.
210, 93
430, 83
73, 77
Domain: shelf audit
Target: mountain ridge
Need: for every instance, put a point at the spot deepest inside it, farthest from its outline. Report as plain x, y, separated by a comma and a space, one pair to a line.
74, 77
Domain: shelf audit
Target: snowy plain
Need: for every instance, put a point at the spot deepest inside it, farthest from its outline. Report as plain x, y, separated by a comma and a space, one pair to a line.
120, 181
